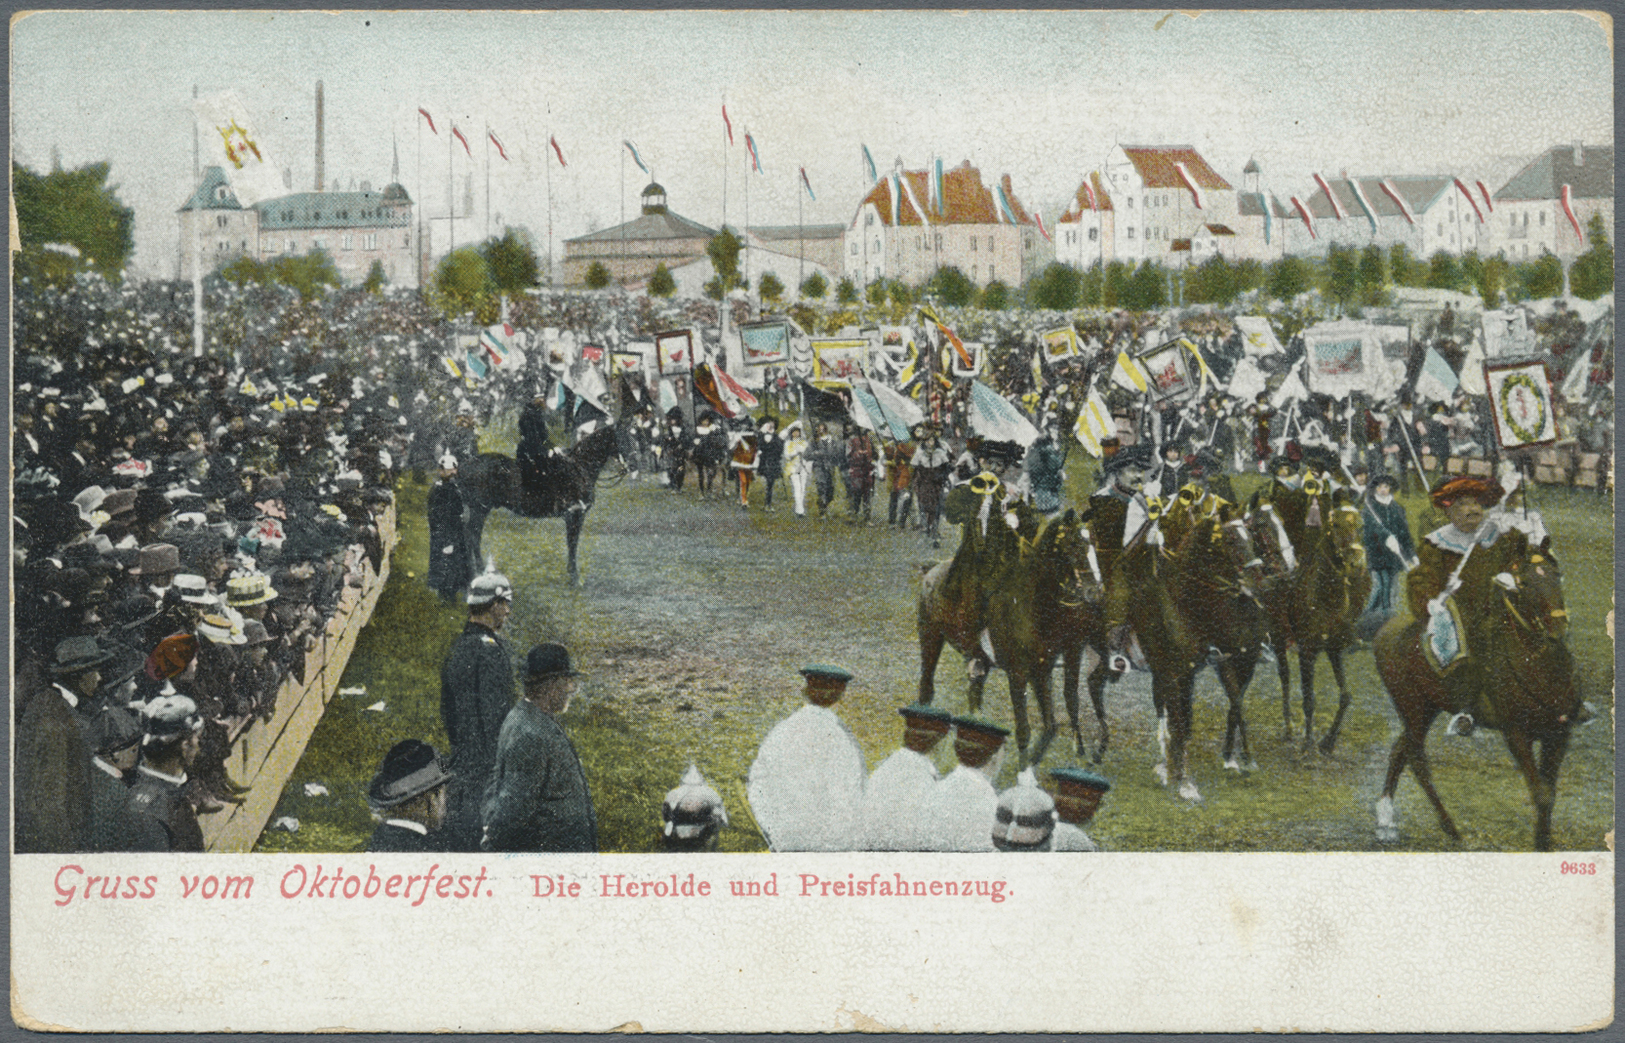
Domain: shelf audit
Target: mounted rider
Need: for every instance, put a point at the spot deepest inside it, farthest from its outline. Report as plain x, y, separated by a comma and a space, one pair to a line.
1452, 590
1117, 513
535, 452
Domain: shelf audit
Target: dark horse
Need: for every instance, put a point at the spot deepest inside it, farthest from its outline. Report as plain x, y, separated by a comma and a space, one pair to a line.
492, 480
1313, 606
1526, 674
1043, 605
1199, 608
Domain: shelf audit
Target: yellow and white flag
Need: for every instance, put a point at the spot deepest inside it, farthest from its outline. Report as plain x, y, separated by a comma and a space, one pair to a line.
1095, 423
242, 153
1128, 374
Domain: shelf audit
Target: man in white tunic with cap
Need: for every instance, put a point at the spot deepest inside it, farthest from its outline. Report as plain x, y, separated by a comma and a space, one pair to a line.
894, 801
806, 785
963, 807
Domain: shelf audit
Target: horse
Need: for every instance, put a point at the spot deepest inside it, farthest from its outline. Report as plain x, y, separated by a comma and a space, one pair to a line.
1314, 605
491, 481
1527, 675
710, 459
1200, 608
953, 594
1038, 609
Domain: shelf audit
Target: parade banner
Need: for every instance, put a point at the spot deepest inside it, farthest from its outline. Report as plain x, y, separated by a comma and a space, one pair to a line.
1344, 357
766, 343
1169, 370
1060, 344
674, 351
1257, 335
626, 362
1521, 397
1507, 334
839, 362
975, 351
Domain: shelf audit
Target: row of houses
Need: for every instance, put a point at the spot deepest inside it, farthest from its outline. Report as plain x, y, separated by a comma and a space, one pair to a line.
1145, 202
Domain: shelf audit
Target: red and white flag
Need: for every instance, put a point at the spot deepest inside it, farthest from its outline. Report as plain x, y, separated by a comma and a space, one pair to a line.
1041, 229
1470, 200
1190, 183
733, 389
1308, 220
1489, 204
425, 114
1089, 187
726, 122
1330, 198
557, 151
1567, 199
1399, 201
500, 150
459, 136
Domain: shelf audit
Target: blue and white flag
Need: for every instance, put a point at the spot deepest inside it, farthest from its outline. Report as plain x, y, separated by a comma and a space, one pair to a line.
869, 165
937, 197
994, 418
1436, 382
1007, 214
635, 157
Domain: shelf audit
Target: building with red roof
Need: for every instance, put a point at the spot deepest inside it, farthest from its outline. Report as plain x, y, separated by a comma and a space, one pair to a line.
1164, 193
905, 230
1083, 232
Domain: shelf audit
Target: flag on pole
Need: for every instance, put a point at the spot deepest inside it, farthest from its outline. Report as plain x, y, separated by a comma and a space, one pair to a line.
474, 366
1574, 385
1128, 374
1399, 201
1436, 382
1041, 229
938, 197
459, 136
896, 199
500, 150
1006, 213
949, 335
1365, 204
755, 160
556, 150
1190, 183
1269, 215
451, 366
1095, 423
1337, 208
495, 340
1567, 199
1308, 220
254, 178
1488, 203
425, 114
807, 185
869, 165
726, 122
1470, 200
908, 189
1201, 364
635, 157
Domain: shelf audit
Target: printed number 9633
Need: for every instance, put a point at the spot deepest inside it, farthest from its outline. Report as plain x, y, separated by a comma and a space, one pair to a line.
1579, 869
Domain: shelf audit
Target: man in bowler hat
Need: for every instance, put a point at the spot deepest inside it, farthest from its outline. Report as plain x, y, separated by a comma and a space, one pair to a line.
538, 798
409, 795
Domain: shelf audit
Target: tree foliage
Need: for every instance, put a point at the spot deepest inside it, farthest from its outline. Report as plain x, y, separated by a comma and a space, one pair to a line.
1373, 276
846, 293
1592, 273
1405, 268
815, 286
376, 279
952, 287
76, 208
770, 287
1056, 288
995, 296
1542, 277
1147, 288
463, 286
597, 276
511, 262
1288, 277
1444, 271
1214, 281
308, 274
1342, 274
724, 249
661, 284
1491, 280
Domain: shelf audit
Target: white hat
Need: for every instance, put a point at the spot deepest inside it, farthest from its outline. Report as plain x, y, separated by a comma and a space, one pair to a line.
448, 462
489, 587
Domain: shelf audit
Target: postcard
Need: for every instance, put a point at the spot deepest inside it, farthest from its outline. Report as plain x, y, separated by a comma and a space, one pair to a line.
747, 521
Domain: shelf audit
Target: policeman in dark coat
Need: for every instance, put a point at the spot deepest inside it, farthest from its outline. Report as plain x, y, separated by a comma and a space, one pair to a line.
476, 692
451, 564
173, 731
409, 794
538, 798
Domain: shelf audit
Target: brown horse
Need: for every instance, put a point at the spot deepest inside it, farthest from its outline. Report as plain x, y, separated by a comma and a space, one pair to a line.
1037, 606
1524, 671
1201, 609
1314, 607
953, 594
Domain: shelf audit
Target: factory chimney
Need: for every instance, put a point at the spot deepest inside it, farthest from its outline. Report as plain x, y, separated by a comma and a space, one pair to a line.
318, 135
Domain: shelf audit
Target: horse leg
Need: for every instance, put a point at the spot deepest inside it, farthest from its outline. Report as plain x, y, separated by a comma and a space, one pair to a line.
1235, 690
931, 642
1283, 670
1017, 677
1552, 748
978, 669
1046, 709
1308, 652
1387, 829
1334, 655
572, 536
1179, 728
1159, 700
1097, 696
1522, 747
1424, 777
1071, 666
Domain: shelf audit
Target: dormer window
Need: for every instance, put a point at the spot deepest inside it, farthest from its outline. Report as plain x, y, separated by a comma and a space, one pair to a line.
220, 193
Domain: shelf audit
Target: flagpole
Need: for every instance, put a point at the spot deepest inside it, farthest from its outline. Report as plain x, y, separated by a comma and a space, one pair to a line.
421, 202
488, 181
744, 244
725, 161
451, 200
623, 206
801, 232
549, 164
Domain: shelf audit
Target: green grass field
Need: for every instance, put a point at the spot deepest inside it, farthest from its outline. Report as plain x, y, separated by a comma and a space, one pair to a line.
694, 616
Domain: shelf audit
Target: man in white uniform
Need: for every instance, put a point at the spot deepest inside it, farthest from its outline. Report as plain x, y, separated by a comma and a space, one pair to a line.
1077, 795
963, 806
806, 785
1026, 816
895, 799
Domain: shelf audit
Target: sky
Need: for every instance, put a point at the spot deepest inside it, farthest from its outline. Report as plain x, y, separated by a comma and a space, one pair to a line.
1042, 96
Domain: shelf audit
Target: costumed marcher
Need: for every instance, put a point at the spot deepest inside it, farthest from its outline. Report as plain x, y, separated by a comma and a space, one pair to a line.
743, 456
861, 460
797, 464
770, 452
476, 692
1077, 796
451, 560
674, 451
538, 798
1455, 607
964, 806
1025, 818
894, 800
692, 816
1044, 465
899, 460
826, 456
169, 747
806, 784
408, 796
1390, 551
930, 465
